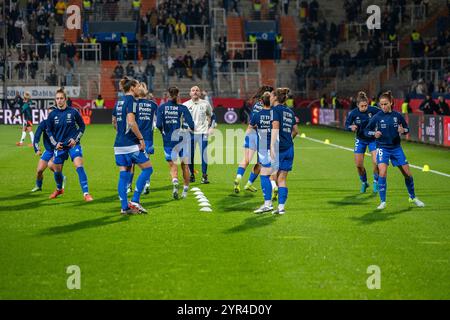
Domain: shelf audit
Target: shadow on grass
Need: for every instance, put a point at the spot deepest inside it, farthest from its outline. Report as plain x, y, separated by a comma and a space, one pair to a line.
239, 202
28, 205
379, 216
87, 224
256, 221
357, 199
21, 196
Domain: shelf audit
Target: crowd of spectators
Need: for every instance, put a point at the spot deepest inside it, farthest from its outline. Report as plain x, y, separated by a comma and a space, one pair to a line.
176, 22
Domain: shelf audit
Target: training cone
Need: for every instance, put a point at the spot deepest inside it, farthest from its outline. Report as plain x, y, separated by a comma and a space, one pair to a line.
303, 135
206, 209
203, 200
200, 196
198, 193
195, 189
326, 141
204, 204
426, 168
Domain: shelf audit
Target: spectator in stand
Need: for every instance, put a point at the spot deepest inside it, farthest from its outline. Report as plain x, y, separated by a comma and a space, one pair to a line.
130, 70
99, 102
323, 101
71, 52
118, 74
313, 11
442, 107
353, 104
405, 106
428, 106
149, 74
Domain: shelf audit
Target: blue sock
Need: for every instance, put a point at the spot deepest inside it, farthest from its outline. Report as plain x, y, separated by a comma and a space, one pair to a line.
363, 178
241, 171
375, 177
58, 179
266, 187
83, 179
253, 177
409, 182
130, 180
282, 195
140, 183
382, 186
39, 183
124, 177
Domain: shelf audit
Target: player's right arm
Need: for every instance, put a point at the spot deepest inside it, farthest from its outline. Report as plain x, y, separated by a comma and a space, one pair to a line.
160, 118
349, 125
132, 124
50, 127
370, 129
37, 137
114, 117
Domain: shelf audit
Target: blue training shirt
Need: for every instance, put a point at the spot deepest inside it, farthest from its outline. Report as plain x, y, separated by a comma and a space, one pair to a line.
257, 107
286, 118
124, 136
42, 130
171, 120
361, 119
263, 122
63, 125
144, 117
388, 124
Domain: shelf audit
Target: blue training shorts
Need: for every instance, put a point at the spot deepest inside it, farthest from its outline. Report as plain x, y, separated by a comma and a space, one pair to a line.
285, 160
361, 146
178, 151
127, 159
251, 141
47, 155
264, 158
62, 155
396, 155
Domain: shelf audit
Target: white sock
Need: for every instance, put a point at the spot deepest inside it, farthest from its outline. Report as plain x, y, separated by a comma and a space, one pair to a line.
186, 188
274, 184
24, 134
32, 136
238, 176
281, 207
267, 203
174, 181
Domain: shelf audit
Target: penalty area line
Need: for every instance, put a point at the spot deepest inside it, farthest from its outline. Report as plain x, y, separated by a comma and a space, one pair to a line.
351, 150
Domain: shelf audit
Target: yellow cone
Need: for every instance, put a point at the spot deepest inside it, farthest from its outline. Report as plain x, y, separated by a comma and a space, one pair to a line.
426, 168
303, 135
327, 141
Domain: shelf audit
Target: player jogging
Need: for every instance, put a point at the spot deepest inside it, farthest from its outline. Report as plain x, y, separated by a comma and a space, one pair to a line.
356, 121
27, 119
201, 112
65, 128
262, 122
46, 156
172, 119
284, 130
386, 127
250, 147
129, 147
145, 116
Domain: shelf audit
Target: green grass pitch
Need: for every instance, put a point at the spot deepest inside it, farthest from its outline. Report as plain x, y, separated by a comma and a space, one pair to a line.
320, 249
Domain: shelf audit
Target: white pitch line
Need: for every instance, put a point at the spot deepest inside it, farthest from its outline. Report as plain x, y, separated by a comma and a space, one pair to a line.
350, 149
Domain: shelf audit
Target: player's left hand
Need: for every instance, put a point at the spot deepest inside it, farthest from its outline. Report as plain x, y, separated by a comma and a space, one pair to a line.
72, 143
401, 130
59, 146
210, 131
39, 153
